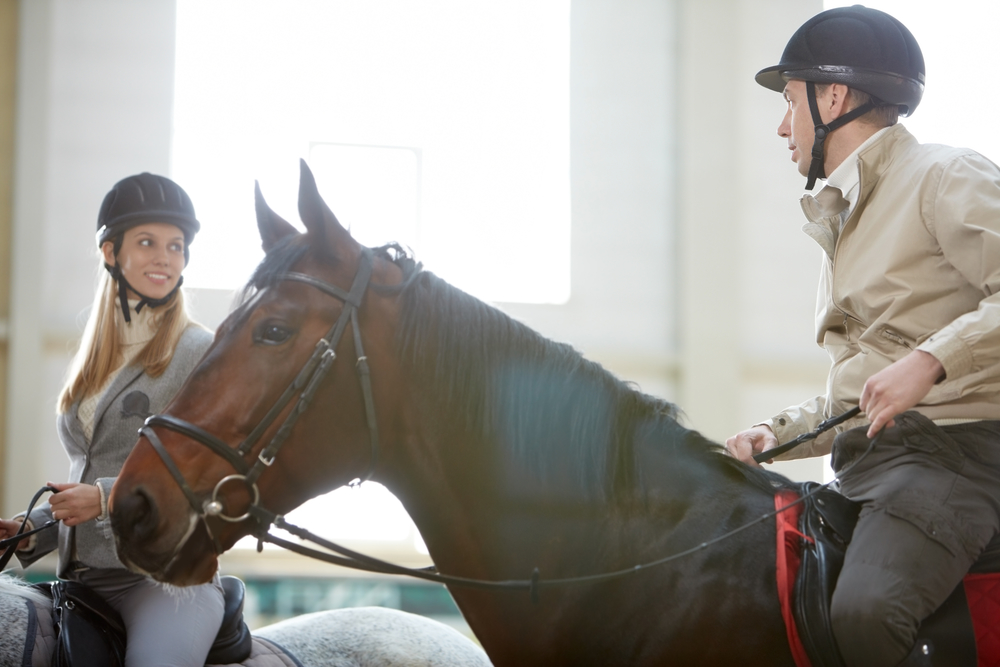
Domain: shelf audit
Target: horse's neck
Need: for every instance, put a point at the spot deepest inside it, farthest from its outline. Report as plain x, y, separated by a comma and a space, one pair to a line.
480, 506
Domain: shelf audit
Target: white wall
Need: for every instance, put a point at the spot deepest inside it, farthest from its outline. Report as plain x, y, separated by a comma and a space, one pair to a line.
747, 274
622, 308
95, 86
689, 274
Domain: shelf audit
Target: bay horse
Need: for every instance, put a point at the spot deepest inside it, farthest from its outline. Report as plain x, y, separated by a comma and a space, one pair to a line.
512, 453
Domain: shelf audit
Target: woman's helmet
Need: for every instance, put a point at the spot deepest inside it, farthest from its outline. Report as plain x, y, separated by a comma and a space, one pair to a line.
144, 198
137, 200
862, 48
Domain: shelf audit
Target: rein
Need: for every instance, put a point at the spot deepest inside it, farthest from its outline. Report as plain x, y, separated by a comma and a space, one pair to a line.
306, 384
358, 561
9, 545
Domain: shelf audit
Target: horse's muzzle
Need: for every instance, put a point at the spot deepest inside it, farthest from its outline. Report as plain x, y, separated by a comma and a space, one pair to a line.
184, 556
135, 515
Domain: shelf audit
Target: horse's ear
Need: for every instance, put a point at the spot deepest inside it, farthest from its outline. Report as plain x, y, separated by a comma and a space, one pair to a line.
316, 215
272, 226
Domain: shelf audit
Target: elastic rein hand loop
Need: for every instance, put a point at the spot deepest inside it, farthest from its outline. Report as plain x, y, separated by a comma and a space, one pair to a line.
9, 545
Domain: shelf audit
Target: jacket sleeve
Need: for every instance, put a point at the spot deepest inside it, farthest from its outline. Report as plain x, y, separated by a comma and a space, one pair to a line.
792, 422
964, 217
43, 542
104, 485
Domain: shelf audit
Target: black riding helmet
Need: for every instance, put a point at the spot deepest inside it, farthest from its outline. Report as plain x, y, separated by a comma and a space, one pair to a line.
137, 200
862, 48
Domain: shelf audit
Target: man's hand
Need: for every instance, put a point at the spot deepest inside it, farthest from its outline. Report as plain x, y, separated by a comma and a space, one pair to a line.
9, 529
745, 444
898, 388
75, 503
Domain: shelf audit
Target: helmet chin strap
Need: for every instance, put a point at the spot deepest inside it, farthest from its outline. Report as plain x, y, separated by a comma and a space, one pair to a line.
124, 286
823, 130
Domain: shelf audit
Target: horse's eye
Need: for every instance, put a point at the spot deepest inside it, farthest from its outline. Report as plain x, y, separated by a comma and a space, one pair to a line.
271, 334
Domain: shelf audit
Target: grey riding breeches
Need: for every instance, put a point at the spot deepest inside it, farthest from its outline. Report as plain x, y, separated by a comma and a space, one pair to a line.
167, 626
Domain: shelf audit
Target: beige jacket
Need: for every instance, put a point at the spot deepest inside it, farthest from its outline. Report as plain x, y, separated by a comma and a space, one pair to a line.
916, 265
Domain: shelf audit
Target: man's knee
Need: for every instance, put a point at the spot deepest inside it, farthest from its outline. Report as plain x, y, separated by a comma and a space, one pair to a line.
871, 627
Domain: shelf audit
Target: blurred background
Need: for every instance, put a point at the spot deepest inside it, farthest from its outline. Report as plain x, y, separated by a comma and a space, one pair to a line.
606, 171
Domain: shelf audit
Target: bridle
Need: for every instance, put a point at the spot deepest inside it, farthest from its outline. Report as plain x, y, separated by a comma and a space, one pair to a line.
305, 385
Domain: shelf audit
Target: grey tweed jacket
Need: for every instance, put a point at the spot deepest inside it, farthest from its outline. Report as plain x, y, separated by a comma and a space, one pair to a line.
121, 410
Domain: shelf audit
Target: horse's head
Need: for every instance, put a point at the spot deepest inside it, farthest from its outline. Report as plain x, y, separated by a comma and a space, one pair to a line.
240, 436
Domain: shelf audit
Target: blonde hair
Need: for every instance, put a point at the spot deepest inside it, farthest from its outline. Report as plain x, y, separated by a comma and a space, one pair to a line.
100, 352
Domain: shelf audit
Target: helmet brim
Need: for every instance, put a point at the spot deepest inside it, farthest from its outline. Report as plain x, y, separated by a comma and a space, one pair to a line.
189, 226
886, 87
772, 79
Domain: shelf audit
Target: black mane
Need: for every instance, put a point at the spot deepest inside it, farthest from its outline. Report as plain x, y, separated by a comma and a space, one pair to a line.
552, 409
502, 383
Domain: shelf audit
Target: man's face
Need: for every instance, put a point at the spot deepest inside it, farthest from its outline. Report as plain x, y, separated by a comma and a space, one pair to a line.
797, 125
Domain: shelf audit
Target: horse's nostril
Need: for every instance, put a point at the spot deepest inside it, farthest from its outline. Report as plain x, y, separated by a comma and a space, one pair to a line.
135, 515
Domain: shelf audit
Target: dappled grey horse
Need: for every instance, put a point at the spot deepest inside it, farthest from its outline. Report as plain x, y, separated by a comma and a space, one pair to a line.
361, 637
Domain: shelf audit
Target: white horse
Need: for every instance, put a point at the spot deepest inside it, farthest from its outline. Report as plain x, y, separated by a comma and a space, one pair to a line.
361, 637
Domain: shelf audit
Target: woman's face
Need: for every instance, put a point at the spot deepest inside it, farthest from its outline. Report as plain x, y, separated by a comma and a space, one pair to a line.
151, 258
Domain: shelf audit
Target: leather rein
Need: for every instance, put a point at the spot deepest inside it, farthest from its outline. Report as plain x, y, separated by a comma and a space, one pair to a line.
306, 384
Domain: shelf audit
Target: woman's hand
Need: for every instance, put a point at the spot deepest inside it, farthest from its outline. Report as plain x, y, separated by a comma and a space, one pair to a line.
9, 529
75, 503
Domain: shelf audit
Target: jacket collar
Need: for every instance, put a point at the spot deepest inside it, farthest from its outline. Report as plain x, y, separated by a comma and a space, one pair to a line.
875, 159
826, 212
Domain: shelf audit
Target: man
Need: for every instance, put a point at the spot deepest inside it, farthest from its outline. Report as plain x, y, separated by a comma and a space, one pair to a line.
909, 311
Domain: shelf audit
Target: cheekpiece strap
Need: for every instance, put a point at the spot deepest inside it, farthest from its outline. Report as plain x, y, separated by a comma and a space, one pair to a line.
124, 286
823, 131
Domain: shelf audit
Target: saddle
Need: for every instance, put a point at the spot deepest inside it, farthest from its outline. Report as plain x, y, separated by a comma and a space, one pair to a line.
950, 636
90, 633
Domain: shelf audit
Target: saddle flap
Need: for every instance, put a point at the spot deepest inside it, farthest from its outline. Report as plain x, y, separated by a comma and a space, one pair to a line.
827, 523
72, 595
91, 633
833, 512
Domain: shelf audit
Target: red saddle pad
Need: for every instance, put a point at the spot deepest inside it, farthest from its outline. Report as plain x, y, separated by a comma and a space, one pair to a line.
983, 593
981, 590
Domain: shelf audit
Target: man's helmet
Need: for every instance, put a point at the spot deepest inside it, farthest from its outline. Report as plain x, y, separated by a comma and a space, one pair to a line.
862, 48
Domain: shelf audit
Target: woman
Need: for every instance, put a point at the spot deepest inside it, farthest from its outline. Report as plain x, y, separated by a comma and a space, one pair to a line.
138, 348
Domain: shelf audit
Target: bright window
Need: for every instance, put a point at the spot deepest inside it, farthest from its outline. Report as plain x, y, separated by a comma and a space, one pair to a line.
958, 40
441, 123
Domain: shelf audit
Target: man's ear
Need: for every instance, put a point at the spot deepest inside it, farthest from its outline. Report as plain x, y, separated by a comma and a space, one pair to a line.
839, 98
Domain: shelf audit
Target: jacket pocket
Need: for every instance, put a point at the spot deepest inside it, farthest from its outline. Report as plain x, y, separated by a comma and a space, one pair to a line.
896, 338
932, 523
